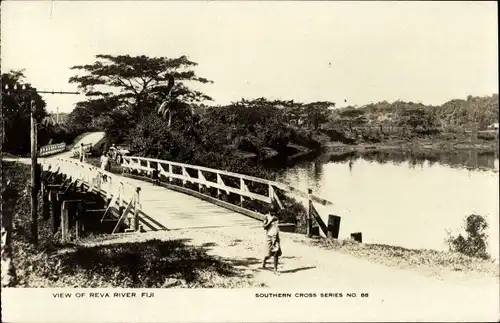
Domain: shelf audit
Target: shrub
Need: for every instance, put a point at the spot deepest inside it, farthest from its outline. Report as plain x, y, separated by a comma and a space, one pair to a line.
474, 245
489, 136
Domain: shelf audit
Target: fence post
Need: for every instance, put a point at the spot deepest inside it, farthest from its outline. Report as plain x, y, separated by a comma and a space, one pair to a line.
199, 180
242, 189
184, 176
219, 182
309, 211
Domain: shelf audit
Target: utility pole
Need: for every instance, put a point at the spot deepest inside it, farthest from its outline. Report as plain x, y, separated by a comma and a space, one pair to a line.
34, 179
57, 115
34, 152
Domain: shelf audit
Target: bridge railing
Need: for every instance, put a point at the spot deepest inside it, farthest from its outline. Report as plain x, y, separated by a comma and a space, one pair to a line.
121, 195
51, 149
203, 179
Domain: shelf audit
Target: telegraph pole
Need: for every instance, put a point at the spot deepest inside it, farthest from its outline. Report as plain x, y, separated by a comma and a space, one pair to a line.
34, 152
34, 179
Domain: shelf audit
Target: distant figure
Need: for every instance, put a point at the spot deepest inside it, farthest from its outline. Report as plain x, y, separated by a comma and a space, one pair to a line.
273, 247
113, 152
82, 152
105, 161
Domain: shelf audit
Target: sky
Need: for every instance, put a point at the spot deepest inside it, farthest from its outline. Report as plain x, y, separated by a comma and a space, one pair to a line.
362, 52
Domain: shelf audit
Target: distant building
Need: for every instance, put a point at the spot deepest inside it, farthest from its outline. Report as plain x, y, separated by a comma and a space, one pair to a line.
493, 126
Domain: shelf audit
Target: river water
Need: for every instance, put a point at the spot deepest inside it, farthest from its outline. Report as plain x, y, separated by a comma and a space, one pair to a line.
405, 199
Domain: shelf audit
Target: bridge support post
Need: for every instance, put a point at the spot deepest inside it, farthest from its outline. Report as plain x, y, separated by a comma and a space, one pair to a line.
79, 218
309, 211
333, 226
45, 203
357, 236
64, 221
55, 209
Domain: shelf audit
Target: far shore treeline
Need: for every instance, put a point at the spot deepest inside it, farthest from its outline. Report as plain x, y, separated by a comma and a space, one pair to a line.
123, 94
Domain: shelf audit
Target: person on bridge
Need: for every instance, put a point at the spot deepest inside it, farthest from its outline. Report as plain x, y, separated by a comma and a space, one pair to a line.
82, 152
105, 161
273, 247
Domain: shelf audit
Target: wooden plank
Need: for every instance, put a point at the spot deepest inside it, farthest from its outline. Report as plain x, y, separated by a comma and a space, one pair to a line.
275, 197
318, 219
122, 218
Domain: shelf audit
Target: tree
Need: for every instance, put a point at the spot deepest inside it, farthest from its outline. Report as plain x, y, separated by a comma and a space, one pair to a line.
416, 117
140, 82
353, 116
16, 113
172, 105
317, 113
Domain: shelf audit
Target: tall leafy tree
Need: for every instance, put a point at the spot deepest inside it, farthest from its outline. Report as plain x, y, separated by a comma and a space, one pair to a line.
140, 82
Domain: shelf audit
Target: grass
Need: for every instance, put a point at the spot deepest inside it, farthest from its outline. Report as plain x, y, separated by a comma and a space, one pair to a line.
104, 260
430, 261
148, 264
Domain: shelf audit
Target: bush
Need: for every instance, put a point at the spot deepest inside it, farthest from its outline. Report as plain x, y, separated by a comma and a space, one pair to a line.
474, 245
489, 136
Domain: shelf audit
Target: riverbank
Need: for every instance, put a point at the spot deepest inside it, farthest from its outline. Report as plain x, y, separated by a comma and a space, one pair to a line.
424, 261
413, 145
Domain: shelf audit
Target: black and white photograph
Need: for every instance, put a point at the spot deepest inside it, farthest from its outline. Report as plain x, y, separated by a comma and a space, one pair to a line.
249, 161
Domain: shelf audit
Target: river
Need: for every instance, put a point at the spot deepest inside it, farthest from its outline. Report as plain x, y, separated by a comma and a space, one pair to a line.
403, 199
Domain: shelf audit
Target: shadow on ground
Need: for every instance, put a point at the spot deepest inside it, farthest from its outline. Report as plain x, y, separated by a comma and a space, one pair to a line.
149, 264
289, 271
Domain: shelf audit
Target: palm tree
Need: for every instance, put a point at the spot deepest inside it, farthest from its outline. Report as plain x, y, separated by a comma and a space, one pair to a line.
172, 105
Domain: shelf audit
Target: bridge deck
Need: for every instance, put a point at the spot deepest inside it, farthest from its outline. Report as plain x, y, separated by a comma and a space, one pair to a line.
164, 209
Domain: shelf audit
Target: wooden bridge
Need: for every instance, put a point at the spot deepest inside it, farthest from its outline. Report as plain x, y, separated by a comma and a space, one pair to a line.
51, 149
153, 195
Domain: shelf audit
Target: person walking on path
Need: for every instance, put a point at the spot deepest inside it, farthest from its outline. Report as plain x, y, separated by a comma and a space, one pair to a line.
272, 243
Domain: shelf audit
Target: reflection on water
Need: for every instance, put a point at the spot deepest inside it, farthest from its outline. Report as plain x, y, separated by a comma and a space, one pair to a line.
409, 200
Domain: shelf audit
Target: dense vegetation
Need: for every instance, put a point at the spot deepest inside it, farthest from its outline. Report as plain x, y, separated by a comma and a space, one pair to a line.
408, 119
16, 121
124, 94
